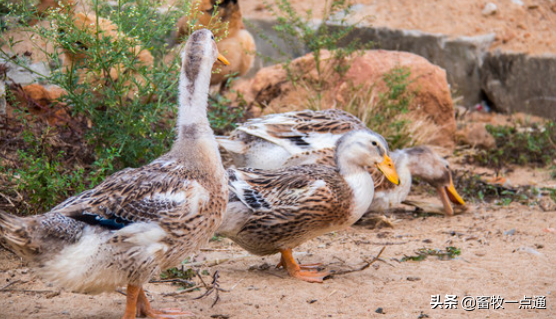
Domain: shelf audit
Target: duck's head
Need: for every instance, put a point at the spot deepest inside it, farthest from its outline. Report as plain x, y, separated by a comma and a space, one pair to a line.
435, 170
200, 49
367, 149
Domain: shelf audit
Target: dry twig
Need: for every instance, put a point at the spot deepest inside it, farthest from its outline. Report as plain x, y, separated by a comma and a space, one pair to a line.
214, 287
365, 266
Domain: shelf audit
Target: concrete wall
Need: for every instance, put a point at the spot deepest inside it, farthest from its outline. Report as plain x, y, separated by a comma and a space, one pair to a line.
512, 82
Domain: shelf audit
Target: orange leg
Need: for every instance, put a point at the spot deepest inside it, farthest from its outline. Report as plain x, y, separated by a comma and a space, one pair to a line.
302, 266
131, 303
295, 270
144, 309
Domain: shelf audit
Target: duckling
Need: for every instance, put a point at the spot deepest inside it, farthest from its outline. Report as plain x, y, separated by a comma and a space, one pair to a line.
273, 211
238, 45
139, 221
270, 141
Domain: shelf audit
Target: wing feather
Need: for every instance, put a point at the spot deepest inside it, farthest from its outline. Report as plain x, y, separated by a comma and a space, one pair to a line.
148, 193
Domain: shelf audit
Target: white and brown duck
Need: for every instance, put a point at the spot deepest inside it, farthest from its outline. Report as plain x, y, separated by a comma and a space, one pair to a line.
139, 221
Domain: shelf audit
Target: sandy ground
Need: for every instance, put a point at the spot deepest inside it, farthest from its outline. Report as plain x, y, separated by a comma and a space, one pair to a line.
491, 263
527, 28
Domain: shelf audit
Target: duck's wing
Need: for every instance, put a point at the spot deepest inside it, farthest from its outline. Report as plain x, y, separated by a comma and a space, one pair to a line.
290, 197
325, 156
150, 193
302, 130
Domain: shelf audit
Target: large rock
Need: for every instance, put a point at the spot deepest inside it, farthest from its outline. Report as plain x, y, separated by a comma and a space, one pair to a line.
271, 91
461, 57
521, 83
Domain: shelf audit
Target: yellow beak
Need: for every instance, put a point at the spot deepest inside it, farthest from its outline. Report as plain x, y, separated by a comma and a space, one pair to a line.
453, 194
222, 59
387, 168
450, 192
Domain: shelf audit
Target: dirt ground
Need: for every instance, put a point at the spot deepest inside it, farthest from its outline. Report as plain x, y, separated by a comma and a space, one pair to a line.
527, 28
505, 251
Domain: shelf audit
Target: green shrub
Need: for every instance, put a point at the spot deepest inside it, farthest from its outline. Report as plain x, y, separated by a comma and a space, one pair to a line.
122, 110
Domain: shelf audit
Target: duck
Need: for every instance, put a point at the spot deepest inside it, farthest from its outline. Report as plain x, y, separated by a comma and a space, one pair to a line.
139, 221
237, 44
274, 211
307, 137
270, 141
420, 161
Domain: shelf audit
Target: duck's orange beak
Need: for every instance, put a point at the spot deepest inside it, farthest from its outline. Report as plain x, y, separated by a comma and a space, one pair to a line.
447, 194
222, 59
389, 170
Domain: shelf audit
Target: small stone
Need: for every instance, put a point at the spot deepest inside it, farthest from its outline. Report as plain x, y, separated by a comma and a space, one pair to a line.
413, 278
428, 241
379, 310
510, 232
489, 9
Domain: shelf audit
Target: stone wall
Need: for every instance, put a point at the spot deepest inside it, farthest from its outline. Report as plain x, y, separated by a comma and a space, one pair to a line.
511, 82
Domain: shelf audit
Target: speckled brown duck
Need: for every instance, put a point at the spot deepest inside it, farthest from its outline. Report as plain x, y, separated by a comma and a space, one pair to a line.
273, 211
139, 221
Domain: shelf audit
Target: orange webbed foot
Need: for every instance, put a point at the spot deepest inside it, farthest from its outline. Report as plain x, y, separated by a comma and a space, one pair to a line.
310, 275
144, 309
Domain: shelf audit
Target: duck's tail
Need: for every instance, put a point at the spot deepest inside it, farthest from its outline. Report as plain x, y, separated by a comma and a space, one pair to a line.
15, 234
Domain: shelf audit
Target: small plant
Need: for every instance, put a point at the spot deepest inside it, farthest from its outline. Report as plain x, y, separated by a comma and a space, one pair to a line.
526, 145
422, 254
180, 276
384, 112
475, 189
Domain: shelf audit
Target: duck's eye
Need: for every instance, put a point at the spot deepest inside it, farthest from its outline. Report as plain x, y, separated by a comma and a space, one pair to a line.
374, 143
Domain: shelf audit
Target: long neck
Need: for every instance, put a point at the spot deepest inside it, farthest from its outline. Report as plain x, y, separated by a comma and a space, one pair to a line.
195, 143
193, 99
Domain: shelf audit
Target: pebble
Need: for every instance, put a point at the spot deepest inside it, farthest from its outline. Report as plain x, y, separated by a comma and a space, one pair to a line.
413, 278
379, 310
489, 9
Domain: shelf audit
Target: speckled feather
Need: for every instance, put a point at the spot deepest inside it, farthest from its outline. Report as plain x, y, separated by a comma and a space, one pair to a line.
268, 142
289, 205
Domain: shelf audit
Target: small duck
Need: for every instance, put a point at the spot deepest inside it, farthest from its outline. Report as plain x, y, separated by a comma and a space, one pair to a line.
139, 221
270, 141
237, 44
423, 163
273, 211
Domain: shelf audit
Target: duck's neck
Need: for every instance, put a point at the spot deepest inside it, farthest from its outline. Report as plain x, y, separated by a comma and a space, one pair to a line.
193, 98
195, 144
403, 163
361, 184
